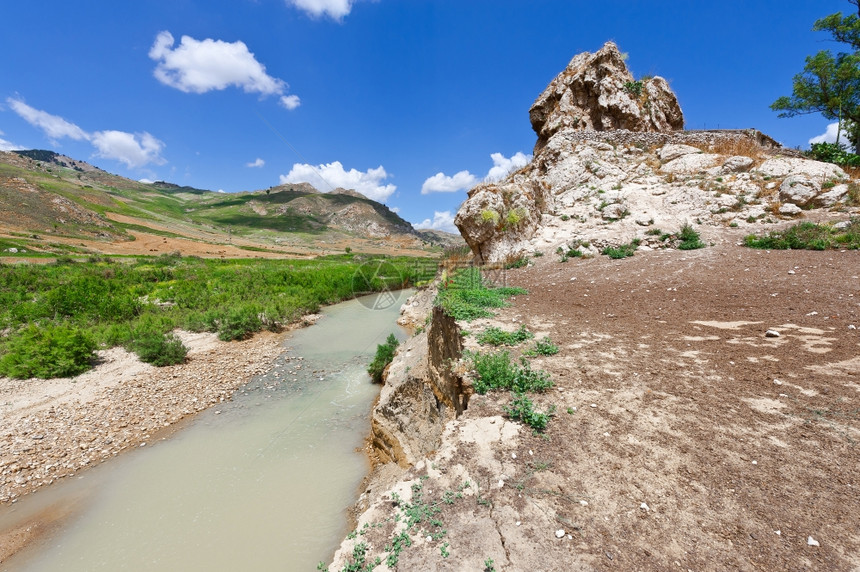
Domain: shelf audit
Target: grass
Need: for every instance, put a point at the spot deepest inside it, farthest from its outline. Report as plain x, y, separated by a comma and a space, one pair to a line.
689, 239
619, 252
809, 236
468, 295
48, 312
499, 337
497, 371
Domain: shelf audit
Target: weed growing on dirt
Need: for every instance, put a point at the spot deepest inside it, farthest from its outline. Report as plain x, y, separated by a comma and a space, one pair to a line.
499, 337
384, 356
542, 347
48, 351
466, 295
809, 236
522, 408
619, 252
689, 239
489, 565
497, 371
572, 251
518, 263
157, 348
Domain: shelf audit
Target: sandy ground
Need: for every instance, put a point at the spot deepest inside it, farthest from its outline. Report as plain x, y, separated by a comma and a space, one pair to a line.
52, 429
684, 438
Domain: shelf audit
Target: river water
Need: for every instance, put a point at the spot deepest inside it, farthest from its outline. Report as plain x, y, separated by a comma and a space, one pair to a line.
259, 483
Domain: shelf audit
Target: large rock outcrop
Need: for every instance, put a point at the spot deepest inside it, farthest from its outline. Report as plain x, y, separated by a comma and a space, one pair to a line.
597, 92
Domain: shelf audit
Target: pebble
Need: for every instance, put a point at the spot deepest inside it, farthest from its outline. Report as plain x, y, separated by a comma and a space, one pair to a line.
812, 542
513, 455
518, 523
583, 502
771, 334
644, 507
560, 533
777, 382
852, 327
594, 405
777, 532
791, 271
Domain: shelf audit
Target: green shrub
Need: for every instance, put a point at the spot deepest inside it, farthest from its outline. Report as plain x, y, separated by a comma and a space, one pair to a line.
619, 252
499, 337
689, 239
497, 371
239, 324
158, 348
522, 408
384, 356
518, 263
47, 351
833, 153
809, 236
466, 296
543, 347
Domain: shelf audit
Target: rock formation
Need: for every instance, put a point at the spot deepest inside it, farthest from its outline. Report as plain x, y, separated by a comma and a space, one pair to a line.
597, 92
610, 161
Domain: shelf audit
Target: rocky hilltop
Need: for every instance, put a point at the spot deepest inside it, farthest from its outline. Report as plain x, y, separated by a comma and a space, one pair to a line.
610, 162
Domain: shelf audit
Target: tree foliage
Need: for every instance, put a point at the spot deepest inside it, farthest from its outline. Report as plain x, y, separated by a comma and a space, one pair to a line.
830, 83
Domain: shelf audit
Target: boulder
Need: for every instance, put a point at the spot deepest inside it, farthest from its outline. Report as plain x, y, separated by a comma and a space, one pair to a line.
789, 209
828, 199
597, 92
737, 164
799, 190
672, 151
784, 166
690, 164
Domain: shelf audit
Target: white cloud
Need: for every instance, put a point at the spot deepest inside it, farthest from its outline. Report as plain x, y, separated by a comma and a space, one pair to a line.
258, 163
333, 175
395, 210
441, 221
464, 180
54, 126
336, 9
135, 150
441, 183
145, 181
7, 145
198, 66
502, 165
290, 101
829, 136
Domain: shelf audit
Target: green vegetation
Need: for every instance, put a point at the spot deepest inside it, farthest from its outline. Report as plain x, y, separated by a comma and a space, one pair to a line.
833, 153
830, 84
522, 408
499, 337
622, 251
543, 347
572, 250
54, 316
384, 356
520, 262
496, 371
634, 87
689, 239
467, 295
809, 236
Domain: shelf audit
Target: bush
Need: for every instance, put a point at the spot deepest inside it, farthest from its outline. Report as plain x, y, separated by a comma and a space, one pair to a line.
499, 337
48, 351
543, 347
498, 371
833, 153
239, 324
465, 296
522, 408
689, 239
384, 356
617, 253
157, 348
809, 236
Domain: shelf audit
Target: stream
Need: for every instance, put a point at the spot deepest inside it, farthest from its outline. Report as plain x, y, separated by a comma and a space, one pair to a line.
258, 483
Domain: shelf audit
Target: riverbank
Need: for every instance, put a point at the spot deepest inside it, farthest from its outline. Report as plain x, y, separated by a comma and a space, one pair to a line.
54, 429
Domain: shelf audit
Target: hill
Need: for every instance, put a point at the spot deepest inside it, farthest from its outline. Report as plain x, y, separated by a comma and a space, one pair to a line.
51, 204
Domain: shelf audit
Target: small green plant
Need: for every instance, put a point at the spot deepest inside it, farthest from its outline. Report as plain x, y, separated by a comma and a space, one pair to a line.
518, 263
444, 550
619, 252
499, 337
543, 347
467, 296
384, 356
522, 408
498, 371
565, 217
489, 565
490, 216
689, 239
571, 410
634, 87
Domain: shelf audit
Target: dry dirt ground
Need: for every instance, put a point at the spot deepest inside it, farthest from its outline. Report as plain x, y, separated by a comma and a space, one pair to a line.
683, 438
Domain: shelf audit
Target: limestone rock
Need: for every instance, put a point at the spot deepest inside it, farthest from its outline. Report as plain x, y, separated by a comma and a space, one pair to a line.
689, 164
597, 92
799, 190
789, 209
672, 151
815, 170
835, 195
737, 164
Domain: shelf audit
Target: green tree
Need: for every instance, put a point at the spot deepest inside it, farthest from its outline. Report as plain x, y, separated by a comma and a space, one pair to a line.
830, 84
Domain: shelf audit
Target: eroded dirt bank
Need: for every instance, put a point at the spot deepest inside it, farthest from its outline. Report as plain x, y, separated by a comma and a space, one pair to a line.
683, 436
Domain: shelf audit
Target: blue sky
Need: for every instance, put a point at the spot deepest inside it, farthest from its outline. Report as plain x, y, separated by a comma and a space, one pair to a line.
408, 101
